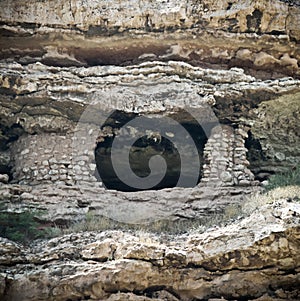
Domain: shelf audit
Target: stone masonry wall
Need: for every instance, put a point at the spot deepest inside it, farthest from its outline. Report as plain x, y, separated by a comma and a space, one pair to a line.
52, 158
225, 158
48, 158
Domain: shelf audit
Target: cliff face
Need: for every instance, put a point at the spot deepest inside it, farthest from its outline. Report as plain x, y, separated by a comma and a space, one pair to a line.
256, 258
140, 39
256, 35
220, 84
41, 106
262, 37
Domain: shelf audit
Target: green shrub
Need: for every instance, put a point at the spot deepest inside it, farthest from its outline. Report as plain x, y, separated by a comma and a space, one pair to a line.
22, 227
291, 177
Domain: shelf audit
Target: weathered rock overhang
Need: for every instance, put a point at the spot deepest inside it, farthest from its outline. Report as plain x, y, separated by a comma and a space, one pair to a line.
148, 59
66, 67
38, 99
44, 108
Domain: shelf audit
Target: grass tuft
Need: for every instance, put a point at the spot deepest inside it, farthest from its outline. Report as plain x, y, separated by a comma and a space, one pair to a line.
289, 178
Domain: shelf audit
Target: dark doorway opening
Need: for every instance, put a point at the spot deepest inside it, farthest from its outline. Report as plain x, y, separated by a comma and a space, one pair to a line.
257, 158
147, 144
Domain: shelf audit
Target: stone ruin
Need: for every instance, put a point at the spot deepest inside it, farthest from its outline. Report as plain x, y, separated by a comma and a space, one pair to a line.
62, 122
71, 158
212, 87
166, 61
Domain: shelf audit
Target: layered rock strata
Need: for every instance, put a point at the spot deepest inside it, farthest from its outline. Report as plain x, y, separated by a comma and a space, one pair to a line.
256, 258
38, 99
261, 36
72, 73
43, 105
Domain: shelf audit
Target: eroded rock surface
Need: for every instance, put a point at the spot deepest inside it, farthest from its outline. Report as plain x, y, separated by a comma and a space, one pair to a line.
257, 35
61, 204
255, 258
235, 61
38, 99
150, 50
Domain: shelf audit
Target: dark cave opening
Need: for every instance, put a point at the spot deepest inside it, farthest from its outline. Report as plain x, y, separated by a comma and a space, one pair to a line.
254, 21
257, 158
148, 143
8, 134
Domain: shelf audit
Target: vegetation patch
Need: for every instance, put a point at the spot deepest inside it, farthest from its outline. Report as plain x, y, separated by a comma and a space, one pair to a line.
291, 177
93, 222
23, 227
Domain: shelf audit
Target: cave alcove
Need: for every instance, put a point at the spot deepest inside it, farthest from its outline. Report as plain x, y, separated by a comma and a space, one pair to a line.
147, 143
257, 158
8, 134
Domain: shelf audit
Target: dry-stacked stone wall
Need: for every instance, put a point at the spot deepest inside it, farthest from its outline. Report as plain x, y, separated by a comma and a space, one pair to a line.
225, 158
52, 158
49, 158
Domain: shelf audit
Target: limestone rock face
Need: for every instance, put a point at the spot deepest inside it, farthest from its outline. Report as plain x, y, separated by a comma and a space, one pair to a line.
68, 204
255, 258
38, 99
260, 35
74, 73
56, 58
136, 58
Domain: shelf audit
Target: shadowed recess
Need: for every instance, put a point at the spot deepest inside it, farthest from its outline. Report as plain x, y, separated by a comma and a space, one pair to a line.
147, 143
